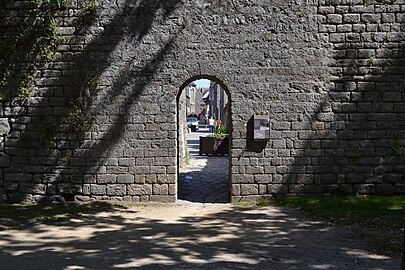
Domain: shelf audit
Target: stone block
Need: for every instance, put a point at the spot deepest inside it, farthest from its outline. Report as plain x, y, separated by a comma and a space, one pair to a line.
370, 18
172, 189
137, 189
393, 178
11, 186
20, 198
4, 159
399, 188
166, 178
334, 18
249, 189
106, 178
277, 189
235, 190
160, 189
125, 179
69, 188
263, 178
3, 196
262, 189
116, 190
86, 189
313, 189
364, 189
89, 179
242, 179
384, 189
296, 188
51, 178
305, 178
32, 188
351, 18
4, 126
17, 177
98, 189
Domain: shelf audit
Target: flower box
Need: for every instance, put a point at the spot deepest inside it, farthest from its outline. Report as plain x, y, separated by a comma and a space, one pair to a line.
214, 145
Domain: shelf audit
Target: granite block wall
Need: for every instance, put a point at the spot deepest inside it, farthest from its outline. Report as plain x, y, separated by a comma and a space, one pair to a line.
329, 73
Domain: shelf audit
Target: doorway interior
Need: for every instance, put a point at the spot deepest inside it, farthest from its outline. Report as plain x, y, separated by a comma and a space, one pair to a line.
204, 141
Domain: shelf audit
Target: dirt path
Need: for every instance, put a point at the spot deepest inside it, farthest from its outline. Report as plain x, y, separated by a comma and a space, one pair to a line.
188, 236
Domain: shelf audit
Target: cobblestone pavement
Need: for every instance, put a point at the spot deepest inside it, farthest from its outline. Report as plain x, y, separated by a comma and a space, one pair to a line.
205, 178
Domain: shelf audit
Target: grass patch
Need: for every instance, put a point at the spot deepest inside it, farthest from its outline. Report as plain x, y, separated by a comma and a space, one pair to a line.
383, 217
377, 212
259, 203
187, 158
20, 215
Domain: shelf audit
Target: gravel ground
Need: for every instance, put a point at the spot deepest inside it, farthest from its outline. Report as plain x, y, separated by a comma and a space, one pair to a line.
188, 236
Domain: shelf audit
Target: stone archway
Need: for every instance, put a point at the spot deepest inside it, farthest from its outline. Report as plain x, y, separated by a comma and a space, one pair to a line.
204, 176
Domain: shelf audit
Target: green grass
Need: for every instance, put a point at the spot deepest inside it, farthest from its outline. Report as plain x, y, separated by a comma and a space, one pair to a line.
381, 217
259, 203
17, 215
373, 211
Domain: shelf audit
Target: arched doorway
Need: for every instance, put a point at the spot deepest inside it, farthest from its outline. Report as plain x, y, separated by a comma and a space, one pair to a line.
204, 140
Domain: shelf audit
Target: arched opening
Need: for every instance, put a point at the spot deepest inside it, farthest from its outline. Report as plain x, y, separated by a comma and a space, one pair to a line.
204, 140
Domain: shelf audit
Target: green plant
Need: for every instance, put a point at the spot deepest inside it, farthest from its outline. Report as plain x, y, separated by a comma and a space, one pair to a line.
24, 90
89, 8
368, 2
187, 158
260, 203
220, 131
46, 131
371, 61
49, 5
5, 134
29, 40
77, 121
396, 148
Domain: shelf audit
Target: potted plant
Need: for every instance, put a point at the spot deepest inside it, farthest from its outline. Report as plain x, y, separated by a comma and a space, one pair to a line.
216, 143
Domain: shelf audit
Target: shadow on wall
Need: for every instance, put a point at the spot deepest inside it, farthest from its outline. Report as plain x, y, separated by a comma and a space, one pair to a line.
237, 238
356, 138
251, 144
107, 68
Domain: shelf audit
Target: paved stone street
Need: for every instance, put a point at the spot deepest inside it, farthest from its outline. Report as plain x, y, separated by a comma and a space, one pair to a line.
205, 179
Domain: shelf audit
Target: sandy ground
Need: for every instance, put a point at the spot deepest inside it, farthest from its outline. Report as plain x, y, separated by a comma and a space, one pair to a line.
188, 236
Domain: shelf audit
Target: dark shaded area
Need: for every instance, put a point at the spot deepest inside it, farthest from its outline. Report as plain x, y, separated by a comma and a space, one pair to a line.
25, 39
239, 238
403, 252
214, 146
251, 144
27, 216
80, 84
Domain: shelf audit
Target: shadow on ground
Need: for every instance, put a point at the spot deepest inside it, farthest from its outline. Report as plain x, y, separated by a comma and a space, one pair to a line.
188, 237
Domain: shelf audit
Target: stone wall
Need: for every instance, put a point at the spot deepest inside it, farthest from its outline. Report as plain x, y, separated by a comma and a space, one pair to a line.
330, 73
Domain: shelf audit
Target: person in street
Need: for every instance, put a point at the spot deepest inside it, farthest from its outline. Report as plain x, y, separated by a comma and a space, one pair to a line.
211, 123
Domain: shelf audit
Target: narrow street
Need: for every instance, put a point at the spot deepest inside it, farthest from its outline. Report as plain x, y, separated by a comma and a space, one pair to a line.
205, 178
